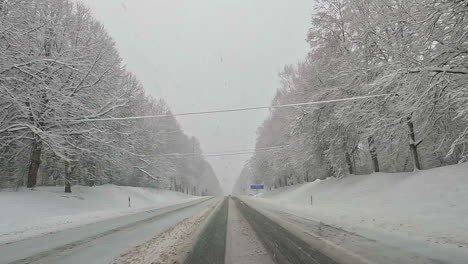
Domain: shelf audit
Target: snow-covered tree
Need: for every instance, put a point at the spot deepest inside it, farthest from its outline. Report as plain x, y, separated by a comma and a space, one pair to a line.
414, 51
60, 70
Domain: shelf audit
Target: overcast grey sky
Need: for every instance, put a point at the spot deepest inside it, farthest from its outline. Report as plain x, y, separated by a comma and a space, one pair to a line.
210, 54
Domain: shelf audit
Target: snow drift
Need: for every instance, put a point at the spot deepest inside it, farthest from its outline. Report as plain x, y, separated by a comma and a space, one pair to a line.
28, 213
429, 205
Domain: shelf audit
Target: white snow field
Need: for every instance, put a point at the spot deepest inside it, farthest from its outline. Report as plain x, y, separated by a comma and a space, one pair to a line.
27, 213
428, 205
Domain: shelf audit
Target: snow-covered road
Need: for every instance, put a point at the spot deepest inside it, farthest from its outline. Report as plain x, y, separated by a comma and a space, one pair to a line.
363, 245
257, 232
100, 242
242, 244
30, 213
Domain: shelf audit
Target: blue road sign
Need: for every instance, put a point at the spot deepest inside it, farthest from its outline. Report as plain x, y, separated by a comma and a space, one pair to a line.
257, 187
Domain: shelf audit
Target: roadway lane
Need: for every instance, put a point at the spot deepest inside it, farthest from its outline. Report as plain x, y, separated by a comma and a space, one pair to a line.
242, 244
209, 246
284, 246
100, 242
238, 233
344, 246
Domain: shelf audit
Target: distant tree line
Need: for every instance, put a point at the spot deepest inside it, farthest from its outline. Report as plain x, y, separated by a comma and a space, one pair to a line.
59, 69
414, 50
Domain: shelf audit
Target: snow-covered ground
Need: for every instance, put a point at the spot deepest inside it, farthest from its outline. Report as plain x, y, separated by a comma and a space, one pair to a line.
168, 247
429, 205
27, 213
242, 243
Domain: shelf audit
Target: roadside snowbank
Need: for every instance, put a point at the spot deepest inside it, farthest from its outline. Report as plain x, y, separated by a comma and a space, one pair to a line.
430, 205
168, 247
29, 213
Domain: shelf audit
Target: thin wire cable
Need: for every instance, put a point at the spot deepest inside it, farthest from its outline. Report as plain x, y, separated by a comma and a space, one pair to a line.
216, 154
236, 154
228, 151
230, 110
240, 153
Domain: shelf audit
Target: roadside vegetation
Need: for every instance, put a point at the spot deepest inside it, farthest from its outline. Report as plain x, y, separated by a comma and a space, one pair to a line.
59, 72
413, 52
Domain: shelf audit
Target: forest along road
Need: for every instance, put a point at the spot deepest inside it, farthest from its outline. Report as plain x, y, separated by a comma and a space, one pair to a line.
100, 242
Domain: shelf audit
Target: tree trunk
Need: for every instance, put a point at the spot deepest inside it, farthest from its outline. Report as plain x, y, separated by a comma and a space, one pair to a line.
373, 153
68, 187
349, 163
35, 163
406, 163
68, 176
414, 153
413, 144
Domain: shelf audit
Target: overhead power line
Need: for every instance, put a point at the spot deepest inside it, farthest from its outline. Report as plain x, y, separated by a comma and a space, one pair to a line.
239, 153
257, 149
230, 110
217, 154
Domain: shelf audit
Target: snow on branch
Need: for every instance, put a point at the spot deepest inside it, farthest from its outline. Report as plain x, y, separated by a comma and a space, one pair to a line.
439, 69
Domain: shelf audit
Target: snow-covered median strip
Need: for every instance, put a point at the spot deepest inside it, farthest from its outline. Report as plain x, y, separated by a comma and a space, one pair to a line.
429, 205
167, 247
28, 213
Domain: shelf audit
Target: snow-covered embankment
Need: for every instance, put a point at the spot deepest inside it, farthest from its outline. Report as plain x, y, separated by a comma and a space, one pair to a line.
429, 205
29, 213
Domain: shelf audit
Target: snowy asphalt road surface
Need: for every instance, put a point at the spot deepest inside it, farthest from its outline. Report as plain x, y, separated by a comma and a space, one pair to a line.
242, 230
242, 244
99, 242
283, 246
348, 247
239, 234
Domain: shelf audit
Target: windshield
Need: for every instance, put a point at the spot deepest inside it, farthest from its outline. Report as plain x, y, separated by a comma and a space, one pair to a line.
222, 131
